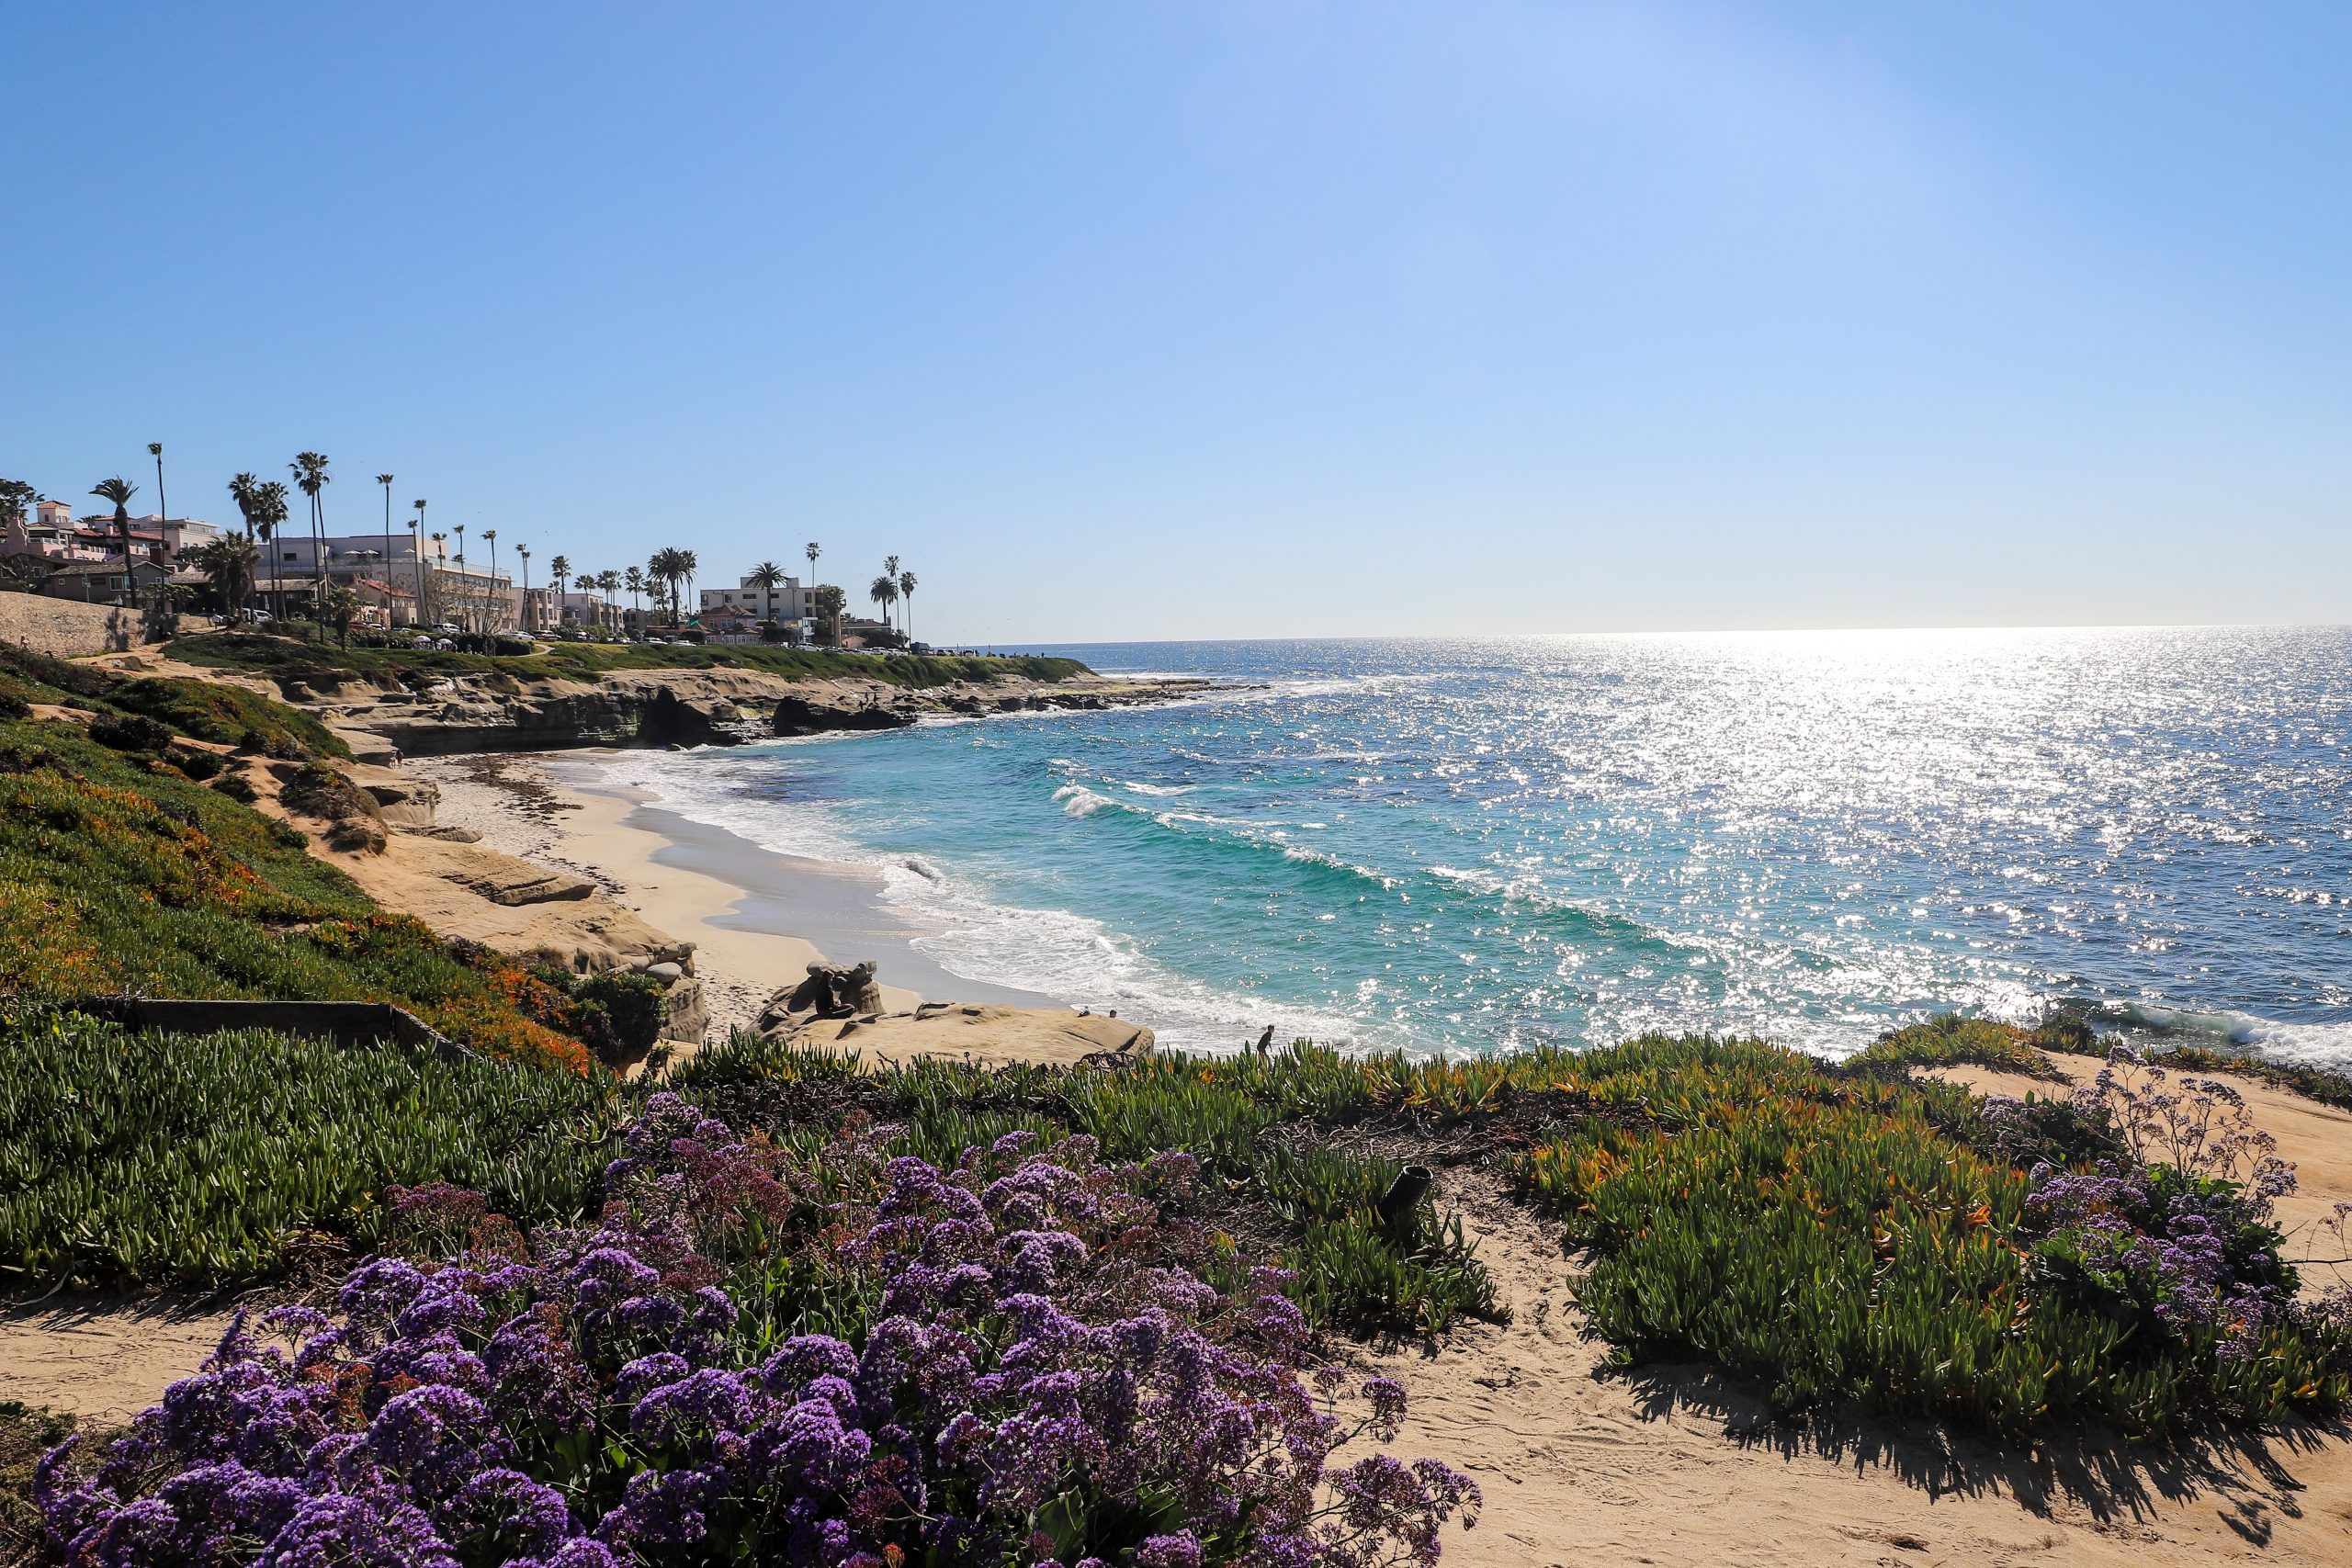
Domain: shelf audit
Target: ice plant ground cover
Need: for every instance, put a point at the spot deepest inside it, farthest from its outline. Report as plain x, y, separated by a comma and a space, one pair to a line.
119, 872
2006, 1263
1021, 1370
132, 1157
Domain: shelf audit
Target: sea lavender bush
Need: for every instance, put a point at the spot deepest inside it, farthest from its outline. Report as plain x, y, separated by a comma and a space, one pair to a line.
2169, 1233
2175, 1255
2198, 1126
1034, 1384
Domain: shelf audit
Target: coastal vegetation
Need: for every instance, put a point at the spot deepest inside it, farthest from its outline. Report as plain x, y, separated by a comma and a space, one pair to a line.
122, 872
778, 1300
2321, 1084
144, 1158
757, 1356
1948, 1040
211, 711
1998, 1262
278, 657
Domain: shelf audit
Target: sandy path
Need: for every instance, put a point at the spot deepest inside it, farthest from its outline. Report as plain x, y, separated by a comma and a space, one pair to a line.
104, 1359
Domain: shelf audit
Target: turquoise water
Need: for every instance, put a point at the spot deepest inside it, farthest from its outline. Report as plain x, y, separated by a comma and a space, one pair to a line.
1482, 844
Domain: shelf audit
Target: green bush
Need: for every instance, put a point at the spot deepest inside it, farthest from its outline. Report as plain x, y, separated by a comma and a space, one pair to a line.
1949, 1040
195, 762
150, 1157
130, 732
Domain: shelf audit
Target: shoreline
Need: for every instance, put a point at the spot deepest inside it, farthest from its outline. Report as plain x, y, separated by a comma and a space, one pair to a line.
757, 918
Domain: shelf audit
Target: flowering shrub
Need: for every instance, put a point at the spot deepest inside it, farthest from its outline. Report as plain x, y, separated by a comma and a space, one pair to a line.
1034, 1384
2198, 1126
1832, 1236
2183, 1257
2170, 1233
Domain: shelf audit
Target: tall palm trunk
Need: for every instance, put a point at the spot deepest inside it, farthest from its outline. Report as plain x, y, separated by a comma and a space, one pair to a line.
163, 521
386, 480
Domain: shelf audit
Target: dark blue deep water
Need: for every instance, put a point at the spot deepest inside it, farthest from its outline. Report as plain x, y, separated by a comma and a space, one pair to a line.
1477, 844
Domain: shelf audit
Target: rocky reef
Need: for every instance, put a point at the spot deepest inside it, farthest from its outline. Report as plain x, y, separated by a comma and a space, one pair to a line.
496, 712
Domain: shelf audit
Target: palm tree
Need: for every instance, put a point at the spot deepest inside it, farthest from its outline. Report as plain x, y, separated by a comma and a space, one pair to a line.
767, 577
271, 508
310, 474
885, 593
635, 579
812, 551
825, 604
240, 490
560, 569
228, 561
610, 581
416, 548
491, 535
529, 620
668, 567
465, 583
337, 606
907, 592
119, 490
162, 516
687, 564
386, 480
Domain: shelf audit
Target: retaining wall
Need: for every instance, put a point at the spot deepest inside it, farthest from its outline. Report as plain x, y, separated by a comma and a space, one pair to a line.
66, 627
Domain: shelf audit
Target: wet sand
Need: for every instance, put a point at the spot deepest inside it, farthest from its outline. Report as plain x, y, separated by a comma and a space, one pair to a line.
758, 919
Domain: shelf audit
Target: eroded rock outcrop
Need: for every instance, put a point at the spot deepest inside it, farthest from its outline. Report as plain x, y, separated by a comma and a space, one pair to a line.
383, 718
829, 991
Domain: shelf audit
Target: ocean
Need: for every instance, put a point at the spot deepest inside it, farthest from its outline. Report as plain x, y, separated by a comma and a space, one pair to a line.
1476, 845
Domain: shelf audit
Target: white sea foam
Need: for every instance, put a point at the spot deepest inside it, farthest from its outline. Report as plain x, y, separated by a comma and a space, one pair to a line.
953, 922
1134, 787
2306, 1044
1079, 801
1077, 958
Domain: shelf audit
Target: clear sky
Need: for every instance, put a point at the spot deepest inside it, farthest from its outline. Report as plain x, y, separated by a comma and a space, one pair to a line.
1198, 320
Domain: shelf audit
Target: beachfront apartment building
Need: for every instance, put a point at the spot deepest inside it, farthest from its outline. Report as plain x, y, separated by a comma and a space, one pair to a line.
53, 533
590, 609
413, 581
785, 601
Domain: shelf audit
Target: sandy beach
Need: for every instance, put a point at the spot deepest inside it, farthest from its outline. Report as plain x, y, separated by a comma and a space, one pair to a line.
757, 919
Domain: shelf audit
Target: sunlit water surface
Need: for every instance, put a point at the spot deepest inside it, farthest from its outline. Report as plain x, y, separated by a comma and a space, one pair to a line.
1481, 844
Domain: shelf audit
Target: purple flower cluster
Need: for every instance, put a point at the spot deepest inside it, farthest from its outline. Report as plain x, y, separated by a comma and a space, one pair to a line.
1035, 1386
2160, 1239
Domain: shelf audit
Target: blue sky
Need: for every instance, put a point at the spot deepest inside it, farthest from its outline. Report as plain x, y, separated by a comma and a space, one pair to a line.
1248, 319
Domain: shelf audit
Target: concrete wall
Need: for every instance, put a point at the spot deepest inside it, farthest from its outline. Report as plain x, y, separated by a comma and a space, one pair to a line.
65, 627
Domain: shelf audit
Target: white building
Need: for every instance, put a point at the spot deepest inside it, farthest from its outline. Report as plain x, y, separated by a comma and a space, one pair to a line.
785, 601
590, 609
454, 590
